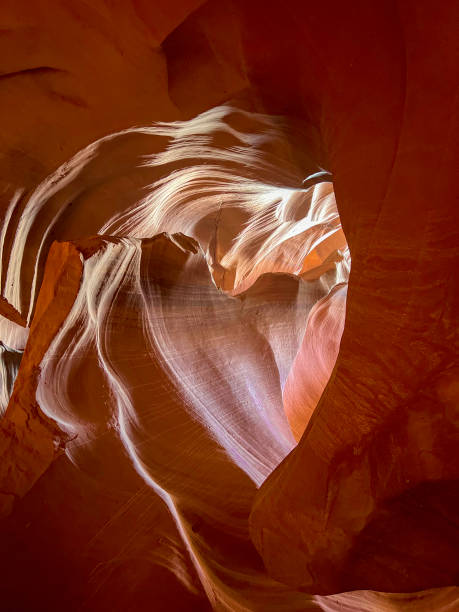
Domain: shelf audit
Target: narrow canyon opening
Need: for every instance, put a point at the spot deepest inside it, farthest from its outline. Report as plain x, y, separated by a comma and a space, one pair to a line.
201, 407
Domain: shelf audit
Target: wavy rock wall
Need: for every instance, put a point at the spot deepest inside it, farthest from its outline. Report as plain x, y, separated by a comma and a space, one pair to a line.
210, 409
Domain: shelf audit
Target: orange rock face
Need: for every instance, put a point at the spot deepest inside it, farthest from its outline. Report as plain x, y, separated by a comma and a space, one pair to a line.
228, 313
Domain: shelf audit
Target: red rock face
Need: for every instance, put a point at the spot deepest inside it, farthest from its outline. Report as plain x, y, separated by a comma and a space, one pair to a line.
213, 406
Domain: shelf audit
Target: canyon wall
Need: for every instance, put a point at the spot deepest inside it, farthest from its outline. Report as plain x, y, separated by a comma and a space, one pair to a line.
229, 305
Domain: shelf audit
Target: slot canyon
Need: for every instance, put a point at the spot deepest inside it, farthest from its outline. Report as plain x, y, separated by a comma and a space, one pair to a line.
229, 306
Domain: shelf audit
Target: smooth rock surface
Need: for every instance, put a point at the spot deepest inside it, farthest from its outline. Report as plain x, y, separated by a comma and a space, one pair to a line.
211, 408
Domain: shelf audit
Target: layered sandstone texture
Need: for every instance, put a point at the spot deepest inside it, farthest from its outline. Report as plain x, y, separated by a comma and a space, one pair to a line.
229, 372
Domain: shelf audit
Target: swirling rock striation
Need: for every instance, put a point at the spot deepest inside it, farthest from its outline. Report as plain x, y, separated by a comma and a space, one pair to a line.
210, 409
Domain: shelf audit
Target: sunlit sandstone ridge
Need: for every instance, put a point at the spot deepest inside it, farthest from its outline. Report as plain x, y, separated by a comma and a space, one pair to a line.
209, 410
